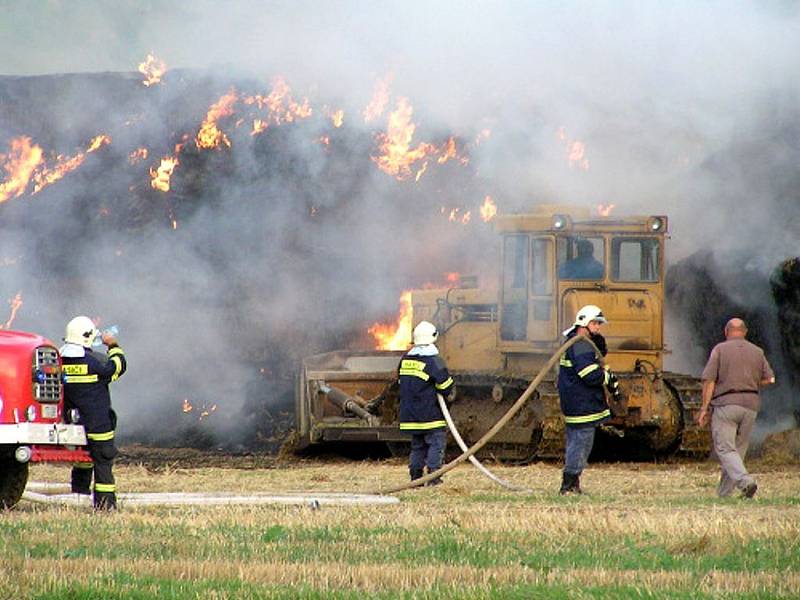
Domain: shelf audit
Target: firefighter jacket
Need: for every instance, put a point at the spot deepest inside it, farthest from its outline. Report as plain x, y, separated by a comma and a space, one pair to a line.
423, 374
581, 383
86, 388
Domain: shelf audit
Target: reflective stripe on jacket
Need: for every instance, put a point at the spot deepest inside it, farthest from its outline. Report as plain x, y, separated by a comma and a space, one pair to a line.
421, 378
581, 382
86, 388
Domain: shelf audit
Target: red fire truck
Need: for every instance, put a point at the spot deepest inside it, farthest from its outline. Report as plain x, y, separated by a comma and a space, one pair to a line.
33, 427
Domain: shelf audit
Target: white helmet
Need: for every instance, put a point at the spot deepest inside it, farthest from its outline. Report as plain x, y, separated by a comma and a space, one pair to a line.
425, 333
586, 315
82, 331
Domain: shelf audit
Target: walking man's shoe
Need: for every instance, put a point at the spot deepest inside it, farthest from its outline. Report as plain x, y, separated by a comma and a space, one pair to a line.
749, 490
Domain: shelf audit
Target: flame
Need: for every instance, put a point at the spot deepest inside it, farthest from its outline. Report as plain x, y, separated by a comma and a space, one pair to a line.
161, 175
336, 116
577, 156
280, 106
488, 209
15, 303
203, 411
397, 335
421, 172
576, 150
380, 98
452, 277
449, 151
209, 136
604, 210
259, 125
397, 157
65, 164
153, 69
19, 164
137, 155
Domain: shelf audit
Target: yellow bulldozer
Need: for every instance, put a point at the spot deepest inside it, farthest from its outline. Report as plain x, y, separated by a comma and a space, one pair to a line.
495, 341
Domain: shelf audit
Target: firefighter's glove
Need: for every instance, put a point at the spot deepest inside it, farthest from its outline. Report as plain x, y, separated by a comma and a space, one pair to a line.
612, 385
451, 395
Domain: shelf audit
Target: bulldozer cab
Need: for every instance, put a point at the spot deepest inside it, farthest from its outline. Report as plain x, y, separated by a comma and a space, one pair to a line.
553, 264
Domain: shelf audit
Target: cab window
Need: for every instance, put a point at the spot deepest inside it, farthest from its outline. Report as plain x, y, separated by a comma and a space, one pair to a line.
581, 258
635, 259
514, 321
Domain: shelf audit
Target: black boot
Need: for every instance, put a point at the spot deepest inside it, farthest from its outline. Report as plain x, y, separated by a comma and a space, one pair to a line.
435, 481
415, 473
570, 484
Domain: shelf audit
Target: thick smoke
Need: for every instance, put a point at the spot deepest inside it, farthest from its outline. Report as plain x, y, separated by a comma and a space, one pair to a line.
285, 247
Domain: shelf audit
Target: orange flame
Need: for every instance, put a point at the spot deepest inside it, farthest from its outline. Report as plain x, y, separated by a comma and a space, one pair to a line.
65, 165
280, 106
452, 277
380, 98
397, 157
577, 156
336, 116
209, 135
153, 69
15, 303
488, 209
397, 335
204, 412
449, 151
576, 150
604, 210
137, 155
19, 164
160, 177
259, 125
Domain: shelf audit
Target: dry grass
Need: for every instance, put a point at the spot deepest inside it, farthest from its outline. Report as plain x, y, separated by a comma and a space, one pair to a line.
652, 528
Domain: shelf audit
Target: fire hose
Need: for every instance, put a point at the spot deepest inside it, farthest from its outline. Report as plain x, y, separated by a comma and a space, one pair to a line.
473, 459
466, 454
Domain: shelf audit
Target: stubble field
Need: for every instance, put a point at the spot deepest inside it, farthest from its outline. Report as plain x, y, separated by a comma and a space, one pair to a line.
643, 530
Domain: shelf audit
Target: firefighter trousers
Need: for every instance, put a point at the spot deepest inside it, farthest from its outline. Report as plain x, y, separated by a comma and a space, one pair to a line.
102, 453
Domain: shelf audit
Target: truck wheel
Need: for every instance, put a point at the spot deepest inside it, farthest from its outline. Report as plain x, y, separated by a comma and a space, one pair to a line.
13, 479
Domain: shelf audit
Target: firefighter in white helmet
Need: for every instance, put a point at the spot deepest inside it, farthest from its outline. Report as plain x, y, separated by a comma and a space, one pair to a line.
423, 375
88, 374
582, 380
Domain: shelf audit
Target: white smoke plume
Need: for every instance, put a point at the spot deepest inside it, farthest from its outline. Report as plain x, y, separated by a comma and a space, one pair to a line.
684, 109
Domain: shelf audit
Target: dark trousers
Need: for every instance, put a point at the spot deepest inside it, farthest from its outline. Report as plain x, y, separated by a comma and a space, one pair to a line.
578, 447
427, 449
105, 490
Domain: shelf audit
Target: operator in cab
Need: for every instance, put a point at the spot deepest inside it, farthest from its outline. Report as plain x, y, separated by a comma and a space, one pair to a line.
584, 265
88, 374
423, 375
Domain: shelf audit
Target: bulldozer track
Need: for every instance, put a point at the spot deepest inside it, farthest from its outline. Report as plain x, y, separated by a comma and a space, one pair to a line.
695, 440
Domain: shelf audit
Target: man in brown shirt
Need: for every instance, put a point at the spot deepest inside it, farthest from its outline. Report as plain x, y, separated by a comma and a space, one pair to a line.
735, 371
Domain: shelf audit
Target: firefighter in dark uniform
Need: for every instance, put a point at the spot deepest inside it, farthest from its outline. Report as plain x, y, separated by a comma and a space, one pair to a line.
423, 375
582, 381
88, 374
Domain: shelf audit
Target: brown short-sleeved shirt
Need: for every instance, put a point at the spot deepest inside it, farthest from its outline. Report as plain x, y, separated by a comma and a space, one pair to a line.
737, 367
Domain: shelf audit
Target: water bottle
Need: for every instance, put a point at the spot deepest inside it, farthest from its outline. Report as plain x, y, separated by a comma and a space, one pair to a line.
113, 330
